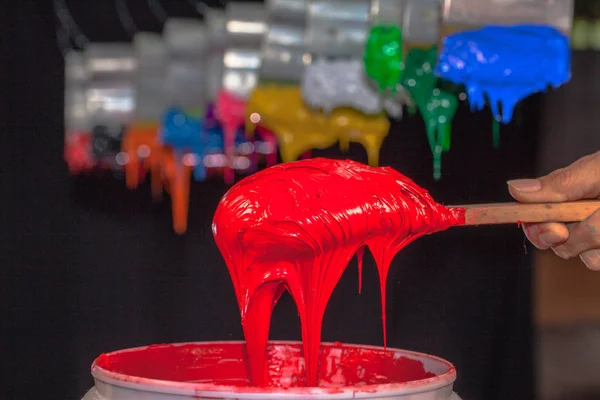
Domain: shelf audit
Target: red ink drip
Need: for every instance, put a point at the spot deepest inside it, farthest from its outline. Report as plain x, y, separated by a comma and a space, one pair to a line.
519, 224
296, 226
360, 254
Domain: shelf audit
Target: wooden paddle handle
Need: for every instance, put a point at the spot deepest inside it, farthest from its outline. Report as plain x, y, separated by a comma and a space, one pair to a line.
514, 213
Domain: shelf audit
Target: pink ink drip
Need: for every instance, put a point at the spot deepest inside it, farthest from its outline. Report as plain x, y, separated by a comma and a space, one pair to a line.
231, 113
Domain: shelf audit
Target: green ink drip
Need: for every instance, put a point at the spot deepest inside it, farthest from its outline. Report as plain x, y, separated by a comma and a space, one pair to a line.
496, 133
435, 100
437, 106
384, 58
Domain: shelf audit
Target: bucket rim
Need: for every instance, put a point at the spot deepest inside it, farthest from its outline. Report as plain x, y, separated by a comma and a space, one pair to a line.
249, 392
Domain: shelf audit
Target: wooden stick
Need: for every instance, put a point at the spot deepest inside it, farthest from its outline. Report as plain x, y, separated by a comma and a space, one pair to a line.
514, 213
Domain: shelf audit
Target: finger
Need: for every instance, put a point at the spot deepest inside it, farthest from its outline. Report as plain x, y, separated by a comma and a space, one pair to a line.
544, 236
583, 236
580, 180
591, 259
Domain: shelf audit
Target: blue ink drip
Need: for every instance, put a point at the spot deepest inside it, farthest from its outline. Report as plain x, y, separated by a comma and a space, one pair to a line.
506, 64
184, 133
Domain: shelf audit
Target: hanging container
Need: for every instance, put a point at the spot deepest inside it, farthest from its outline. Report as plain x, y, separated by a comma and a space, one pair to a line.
187, 47
109, 96
419, 19
246, 27
459, 15
285, 51
338, 28
151, 53
215, 20
76, 116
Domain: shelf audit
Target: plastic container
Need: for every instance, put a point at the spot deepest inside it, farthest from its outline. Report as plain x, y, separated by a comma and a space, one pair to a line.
109, 90
187, 47
284, 54
246, 28
216, 26
76, 115
421, 22
338, 28
284, 51
459, 15
150, 98
288, 10
110, 61
217, 370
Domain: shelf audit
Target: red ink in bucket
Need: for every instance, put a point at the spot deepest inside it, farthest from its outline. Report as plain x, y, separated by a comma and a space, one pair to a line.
219, 370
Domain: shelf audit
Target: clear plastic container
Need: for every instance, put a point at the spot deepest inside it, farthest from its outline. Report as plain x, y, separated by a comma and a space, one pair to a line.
338, 28
76, 115
464, 14
419, 19
217, 370
246, 28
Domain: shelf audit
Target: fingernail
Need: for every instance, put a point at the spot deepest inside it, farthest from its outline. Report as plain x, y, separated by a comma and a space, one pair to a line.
551, 238
591, 259
525, 185
528, 236
560, 253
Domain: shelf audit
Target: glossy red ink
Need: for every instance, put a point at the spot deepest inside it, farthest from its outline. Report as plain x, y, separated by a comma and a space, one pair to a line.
295, 227
225, 364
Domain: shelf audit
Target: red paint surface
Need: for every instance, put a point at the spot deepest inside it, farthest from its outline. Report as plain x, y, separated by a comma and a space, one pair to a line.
296, 226
225, 363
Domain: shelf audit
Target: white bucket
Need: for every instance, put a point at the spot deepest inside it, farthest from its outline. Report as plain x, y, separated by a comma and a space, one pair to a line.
218, 370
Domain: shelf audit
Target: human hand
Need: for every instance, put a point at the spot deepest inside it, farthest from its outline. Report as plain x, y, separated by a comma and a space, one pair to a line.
580, 180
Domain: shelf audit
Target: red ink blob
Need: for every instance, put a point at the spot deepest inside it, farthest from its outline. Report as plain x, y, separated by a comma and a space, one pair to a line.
295, 227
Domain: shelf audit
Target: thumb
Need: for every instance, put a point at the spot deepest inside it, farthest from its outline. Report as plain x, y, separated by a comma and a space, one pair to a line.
580, 180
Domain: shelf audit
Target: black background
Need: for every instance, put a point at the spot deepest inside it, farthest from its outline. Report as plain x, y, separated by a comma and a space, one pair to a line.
87, 266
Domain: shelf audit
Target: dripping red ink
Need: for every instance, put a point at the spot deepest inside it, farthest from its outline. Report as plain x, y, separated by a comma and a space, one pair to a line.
295, 227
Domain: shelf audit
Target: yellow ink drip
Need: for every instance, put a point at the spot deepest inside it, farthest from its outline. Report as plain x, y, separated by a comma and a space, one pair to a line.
280, 109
